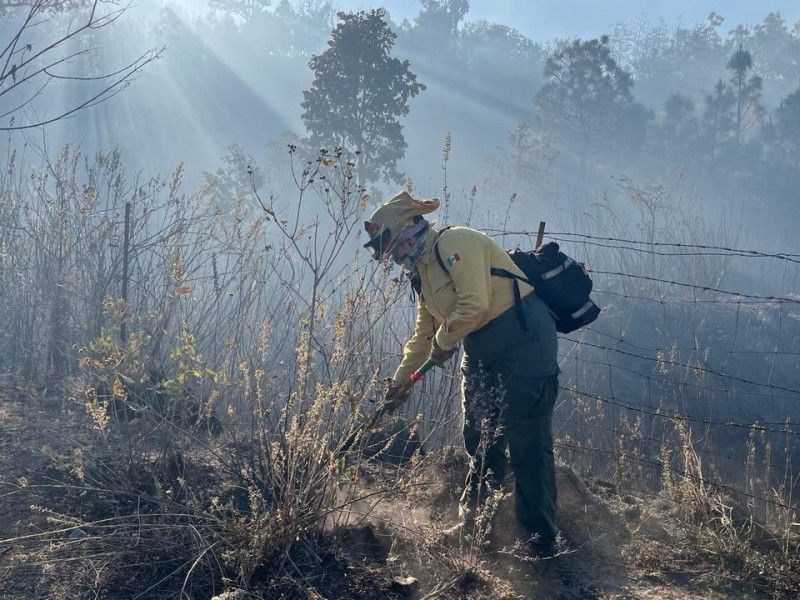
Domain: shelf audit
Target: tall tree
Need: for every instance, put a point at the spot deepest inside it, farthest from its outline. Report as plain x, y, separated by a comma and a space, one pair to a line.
500, 52
776, 50
442, 17
679, 127
436, 31
281, 28
665, 60
359, 94
747, 92
786, 127
586, 97
717, 122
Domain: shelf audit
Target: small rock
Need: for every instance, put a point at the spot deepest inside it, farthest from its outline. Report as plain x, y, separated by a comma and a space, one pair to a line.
405, 585
77, 534
632, 513
232, 595
649, 528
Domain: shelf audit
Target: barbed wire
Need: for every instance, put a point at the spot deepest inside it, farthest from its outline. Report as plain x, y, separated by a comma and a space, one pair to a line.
614, 283
736, 251
689, 366
746, 301
634, 446
691, 476
756, 426
703, 288
595, 240
600, 332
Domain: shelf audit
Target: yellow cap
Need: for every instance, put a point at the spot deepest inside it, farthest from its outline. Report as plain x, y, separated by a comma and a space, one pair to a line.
388, 221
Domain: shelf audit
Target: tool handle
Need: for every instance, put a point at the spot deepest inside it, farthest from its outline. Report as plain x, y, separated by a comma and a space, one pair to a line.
420, 373
366, 425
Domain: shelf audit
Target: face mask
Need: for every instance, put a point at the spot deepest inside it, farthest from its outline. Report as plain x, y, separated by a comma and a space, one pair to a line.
409, 261
381, 238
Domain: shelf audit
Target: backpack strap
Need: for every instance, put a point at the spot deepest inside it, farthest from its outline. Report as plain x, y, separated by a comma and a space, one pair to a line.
436, 250
416, 284
416, 287
500, 272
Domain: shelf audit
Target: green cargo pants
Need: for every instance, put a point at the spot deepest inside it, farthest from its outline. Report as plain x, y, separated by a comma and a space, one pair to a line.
509, 388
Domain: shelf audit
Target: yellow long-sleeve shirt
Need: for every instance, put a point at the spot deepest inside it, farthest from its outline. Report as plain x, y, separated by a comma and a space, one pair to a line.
461, 300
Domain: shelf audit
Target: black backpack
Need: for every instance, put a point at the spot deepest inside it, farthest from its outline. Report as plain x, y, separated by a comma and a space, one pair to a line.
562, 283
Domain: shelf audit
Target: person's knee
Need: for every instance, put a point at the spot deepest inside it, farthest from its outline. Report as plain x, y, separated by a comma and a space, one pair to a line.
529, 449
472, 440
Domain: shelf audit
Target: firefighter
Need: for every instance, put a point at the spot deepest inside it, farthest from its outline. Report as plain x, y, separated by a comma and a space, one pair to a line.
509, 365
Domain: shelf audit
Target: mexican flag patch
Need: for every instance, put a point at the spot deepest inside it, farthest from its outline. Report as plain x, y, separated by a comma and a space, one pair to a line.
453, 259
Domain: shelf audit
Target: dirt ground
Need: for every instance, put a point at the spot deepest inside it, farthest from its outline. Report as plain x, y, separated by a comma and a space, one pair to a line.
392, 548
591, 564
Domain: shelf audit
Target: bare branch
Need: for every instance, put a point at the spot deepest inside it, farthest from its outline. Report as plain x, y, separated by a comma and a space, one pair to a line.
26, 102
111, 90
50, 6
28, 76
21, 65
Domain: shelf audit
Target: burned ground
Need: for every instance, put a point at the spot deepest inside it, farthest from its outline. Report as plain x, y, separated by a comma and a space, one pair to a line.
65, 536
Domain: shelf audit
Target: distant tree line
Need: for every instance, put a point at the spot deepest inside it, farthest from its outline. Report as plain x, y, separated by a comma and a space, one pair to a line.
716, 106
704, 114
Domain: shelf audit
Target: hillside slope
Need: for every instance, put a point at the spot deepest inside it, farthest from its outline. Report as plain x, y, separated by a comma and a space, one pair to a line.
384, 537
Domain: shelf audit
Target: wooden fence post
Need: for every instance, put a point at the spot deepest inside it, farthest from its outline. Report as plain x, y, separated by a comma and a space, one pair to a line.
123, 334
540, 235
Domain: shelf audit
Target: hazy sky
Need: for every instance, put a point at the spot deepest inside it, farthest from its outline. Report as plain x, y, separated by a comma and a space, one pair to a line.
544, 20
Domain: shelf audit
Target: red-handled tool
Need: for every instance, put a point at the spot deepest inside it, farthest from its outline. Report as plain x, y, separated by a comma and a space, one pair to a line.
416, 376
420, 373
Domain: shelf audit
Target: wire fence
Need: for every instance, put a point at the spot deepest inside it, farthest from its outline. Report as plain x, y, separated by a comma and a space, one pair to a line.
693, 338
697, 343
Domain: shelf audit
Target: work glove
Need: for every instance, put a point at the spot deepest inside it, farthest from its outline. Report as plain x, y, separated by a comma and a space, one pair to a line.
395, 394
439, 356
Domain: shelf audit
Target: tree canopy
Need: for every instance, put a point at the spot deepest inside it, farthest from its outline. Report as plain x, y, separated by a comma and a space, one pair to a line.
586, 96
358, 95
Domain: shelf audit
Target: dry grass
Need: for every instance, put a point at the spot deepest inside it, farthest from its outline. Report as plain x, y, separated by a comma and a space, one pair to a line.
192, 430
